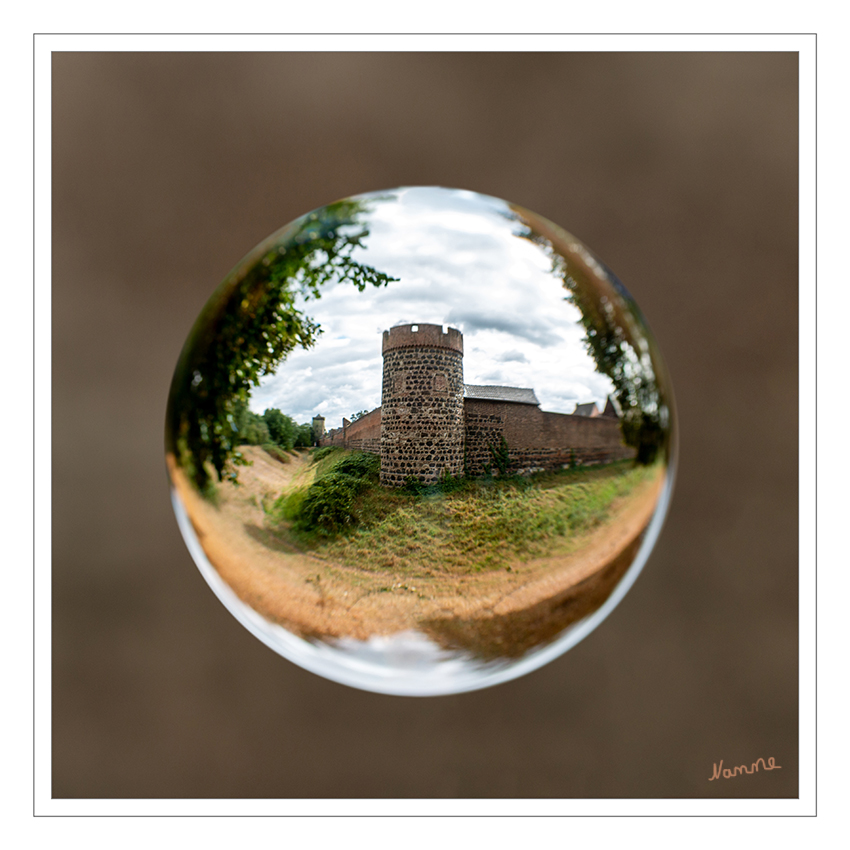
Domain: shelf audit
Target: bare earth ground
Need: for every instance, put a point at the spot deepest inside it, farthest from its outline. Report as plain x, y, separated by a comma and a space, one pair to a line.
493, 614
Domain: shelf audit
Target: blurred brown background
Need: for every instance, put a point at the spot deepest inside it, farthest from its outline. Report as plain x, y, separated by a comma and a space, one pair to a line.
679, 170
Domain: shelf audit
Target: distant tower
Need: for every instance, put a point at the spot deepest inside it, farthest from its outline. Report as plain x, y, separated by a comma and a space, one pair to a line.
318, 429
421, 404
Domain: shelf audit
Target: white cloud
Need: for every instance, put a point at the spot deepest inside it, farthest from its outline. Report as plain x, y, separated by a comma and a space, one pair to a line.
508, 356
460, 264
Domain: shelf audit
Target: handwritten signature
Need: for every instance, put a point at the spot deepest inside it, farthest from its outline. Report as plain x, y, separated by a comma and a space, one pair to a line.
728, 773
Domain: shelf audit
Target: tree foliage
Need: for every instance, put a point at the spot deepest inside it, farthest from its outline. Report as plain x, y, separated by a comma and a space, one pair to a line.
282, 428
304, 436
616, 339
284, 431
251, 428
251, 324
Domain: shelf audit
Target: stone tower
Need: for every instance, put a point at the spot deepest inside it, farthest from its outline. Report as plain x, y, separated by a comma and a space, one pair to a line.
318, 429
421, 404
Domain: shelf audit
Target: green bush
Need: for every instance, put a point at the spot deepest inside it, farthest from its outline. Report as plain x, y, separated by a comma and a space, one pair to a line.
414, 486
282, 428
321, 454
289, 506
304, 436
359, 465
252, 428
327, 504
449, 483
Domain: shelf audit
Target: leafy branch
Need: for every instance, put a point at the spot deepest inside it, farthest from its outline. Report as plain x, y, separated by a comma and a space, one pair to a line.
249, 327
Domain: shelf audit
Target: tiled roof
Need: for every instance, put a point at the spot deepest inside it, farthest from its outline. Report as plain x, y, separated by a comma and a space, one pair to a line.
519, 394
612, 408
588, 409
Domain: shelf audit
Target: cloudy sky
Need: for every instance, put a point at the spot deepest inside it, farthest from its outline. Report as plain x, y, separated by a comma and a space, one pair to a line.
460, 265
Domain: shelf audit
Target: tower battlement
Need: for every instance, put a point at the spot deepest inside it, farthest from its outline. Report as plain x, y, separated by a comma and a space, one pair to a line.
422, 336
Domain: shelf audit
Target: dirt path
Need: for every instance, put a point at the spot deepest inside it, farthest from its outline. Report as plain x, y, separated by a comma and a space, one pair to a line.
314, 597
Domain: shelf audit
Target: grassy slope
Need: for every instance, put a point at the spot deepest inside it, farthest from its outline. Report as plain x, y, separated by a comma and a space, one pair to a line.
482, 525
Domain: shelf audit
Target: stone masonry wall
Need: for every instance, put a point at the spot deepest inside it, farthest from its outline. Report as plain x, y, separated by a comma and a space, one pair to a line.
482, 430
422, 404
364, 434
538, 439
334, 437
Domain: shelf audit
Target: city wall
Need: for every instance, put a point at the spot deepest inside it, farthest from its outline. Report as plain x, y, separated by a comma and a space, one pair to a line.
538, 439
425, 426
362, 435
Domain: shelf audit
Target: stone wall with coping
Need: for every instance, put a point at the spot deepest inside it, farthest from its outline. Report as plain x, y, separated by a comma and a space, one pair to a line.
364, 434
482, 429
538, 439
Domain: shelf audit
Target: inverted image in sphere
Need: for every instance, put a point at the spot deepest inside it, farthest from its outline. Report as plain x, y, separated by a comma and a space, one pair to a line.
420, 441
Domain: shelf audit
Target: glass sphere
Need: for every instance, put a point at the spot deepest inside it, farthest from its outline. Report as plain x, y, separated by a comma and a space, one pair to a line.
420, 441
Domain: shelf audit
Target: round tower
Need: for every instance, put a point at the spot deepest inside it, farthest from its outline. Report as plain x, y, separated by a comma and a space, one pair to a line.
421, 404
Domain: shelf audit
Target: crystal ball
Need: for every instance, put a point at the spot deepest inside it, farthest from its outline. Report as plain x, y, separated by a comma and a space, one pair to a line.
420, 441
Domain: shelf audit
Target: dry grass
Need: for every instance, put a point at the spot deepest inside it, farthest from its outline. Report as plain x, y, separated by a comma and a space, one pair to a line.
477, 525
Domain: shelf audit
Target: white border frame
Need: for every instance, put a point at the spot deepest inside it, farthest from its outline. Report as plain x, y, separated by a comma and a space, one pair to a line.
44, 45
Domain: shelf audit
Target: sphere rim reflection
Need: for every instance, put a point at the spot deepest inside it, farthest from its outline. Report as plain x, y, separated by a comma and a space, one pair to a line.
454, 631
330, 661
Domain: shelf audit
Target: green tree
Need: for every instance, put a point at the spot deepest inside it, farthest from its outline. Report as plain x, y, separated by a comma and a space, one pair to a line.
251, 428
616, 339
251, 324
282, 428
304, 436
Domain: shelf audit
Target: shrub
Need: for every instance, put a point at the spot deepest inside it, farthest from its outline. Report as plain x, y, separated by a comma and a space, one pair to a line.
210, 492
359, 465
289, 506
449, 483
303, 436
414, 486
252, 428
321, 454
282, 429
326, 505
